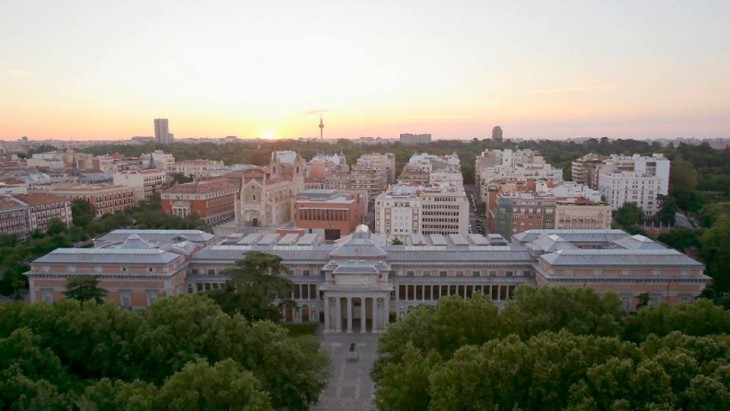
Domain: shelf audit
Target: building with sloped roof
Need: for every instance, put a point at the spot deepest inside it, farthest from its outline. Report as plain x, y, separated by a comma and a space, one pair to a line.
361, 283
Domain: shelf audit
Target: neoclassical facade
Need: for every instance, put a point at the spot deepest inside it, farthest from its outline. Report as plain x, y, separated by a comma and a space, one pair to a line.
360, 284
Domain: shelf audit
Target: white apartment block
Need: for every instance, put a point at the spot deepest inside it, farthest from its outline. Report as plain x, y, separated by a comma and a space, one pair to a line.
431, 209
144, 182
636, 179
197, 168
519, 165
377, 161
161, 160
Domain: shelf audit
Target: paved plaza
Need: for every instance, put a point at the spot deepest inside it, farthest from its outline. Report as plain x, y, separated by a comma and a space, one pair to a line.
350, 387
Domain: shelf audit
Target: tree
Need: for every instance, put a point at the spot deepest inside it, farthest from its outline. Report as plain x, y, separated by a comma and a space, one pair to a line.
682, 175
256, 289
83, 212
580, 311
224, 385
405, 385
481, 208
85, 287
715, 245
628, 215
55, 226
396, 241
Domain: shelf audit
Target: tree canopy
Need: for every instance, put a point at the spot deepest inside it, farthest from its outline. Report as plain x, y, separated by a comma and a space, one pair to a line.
183, 352
552, 349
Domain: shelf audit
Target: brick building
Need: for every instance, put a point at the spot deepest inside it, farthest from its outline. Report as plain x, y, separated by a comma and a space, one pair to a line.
13, 217
212, 200
335, 213
44, 207
105, 199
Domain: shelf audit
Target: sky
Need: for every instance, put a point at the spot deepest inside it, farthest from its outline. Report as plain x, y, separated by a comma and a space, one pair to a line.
83, 70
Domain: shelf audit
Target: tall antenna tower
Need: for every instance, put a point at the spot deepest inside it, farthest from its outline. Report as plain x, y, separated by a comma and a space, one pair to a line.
321, 128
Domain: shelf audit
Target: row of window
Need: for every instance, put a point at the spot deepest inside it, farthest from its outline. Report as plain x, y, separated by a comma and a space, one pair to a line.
463, 273
434, 292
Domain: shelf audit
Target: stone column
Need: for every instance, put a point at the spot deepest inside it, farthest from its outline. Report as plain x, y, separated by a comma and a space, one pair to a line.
338, 317
363, 327
327, 315
349, 315
375, 315
387, 313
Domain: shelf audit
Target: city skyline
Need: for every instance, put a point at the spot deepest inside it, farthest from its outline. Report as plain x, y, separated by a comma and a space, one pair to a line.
651, 69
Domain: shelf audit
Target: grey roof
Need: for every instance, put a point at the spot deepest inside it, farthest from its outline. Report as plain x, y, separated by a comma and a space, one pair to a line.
156, 236
359, 245
551, 242
135, 242
238, 252
355, 268
619, 257
573, 236
107, 255
638, 242
446, 256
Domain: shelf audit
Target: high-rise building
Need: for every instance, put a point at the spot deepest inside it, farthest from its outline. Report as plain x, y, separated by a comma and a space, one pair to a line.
497, 134
637, 179
162, 131
409, 138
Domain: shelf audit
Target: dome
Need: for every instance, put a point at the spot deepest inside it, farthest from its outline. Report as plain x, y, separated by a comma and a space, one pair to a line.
362, 228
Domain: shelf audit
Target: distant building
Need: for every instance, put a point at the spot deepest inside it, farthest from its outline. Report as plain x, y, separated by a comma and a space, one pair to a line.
105, 199
584, 170
144, 182
336, 214
409, 138
197, 168
14, 217
384, 162
162, 131
266, 195
637, 179
44, 207
497, 134
431, 209
160, 160
212, 200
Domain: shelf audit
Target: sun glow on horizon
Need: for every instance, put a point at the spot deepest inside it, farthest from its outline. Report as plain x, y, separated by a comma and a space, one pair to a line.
268, 135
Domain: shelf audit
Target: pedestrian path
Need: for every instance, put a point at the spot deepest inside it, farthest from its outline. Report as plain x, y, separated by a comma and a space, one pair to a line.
350, 387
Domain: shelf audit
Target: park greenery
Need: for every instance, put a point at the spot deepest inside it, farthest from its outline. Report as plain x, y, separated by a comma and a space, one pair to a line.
553, 349
15, 255
182, 353
257, 288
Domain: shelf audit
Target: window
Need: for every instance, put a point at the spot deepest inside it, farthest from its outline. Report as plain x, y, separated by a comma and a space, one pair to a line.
443, 273
426, 273
305, 272
152, 296
459, 273
509, 273
124, 269
125, 299
410, 274
211, 271
150, 270
47, 295
475, 273
493, 273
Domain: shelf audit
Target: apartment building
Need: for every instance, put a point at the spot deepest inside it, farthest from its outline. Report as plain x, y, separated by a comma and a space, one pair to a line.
212, 200
42, 208
145, 183
637, 179
105, 198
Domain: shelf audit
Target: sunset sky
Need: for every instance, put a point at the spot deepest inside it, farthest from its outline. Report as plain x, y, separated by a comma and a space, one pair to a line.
540, 69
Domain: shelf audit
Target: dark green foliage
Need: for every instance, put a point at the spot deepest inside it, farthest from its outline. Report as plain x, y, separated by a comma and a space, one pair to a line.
555, 349
628, 215
257, 288
85, 287
181, 353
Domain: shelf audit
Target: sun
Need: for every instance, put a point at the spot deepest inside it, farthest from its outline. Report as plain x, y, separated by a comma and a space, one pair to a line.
268, 134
